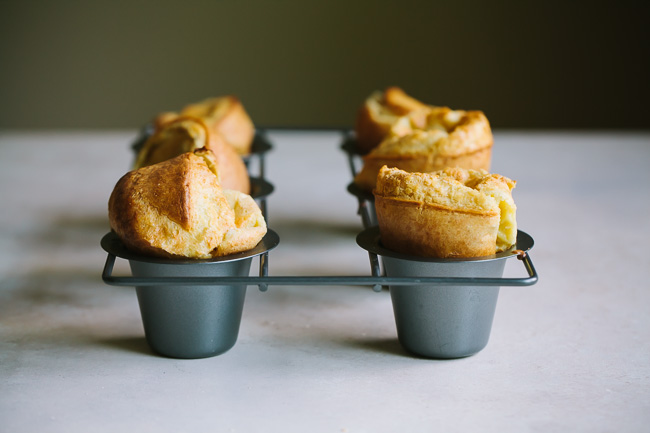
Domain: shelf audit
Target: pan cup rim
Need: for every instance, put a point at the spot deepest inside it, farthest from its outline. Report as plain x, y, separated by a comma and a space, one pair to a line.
112, 244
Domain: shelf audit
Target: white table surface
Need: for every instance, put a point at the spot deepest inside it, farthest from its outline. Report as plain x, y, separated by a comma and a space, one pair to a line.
571, 353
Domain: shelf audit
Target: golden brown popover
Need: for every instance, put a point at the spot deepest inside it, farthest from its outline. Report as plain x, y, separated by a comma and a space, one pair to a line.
178, 208
224, 116
448, 138
449, 213
391, 112
184, 134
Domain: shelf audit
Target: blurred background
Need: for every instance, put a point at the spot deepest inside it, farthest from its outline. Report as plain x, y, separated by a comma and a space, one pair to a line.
73, 64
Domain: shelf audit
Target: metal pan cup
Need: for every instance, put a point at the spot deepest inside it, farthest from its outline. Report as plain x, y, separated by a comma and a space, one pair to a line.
447, 320
191, 321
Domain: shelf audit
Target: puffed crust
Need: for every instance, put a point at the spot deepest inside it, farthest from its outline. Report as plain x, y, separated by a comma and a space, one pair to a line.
177, 208
450, 138
223, 115
449, 213
391, 112
178, 135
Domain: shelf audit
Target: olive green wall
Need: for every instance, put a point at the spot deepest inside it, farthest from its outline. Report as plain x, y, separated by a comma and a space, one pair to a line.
105, 64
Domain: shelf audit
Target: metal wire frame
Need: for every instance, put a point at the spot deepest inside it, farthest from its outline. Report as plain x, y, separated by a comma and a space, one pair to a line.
264, 280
